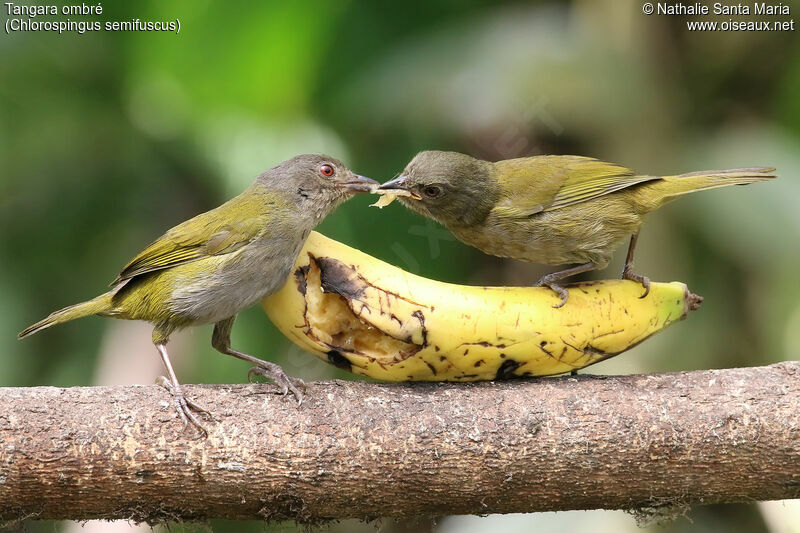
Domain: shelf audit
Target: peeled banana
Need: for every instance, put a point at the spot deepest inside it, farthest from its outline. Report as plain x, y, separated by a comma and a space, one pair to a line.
374, 319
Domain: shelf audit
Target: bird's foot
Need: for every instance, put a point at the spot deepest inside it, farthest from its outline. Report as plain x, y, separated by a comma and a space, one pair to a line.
628, 273
276, 374
186, 407
551, 282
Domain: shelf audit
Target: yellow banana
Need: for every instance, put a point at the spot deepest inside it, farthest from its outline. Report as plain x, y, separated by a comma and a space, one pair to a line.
376, 320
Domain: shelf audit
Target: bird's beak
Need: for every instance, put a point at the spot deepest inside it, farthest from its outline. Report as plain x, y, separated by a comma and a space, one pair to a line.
399, 184
360, 184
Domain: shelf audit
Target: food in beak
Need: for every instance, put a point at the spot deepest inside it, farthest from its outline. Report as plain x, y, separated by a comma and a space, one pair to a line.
389, 195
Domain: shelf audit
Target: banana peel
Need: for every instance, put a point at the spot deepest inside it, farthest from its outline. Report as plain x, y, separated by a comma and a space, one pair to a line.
376, 320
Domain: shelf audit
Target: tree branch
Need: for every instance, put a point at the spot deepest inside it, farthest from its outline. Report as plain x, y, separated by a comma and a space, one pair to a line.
357, 449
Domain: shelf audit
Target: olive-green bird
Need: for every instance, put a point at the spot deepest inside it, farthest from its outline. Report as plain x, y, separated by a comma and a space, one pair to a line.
548, 209
207, 269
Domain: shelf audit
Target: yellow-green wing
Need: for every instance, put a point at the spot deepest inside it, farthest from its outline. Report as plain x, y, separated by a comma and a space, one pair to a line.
534, 184
205, 235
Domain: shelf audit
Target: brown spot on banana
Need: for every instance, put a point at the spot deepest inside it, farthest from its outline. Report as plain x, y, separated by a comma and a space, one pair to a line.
337, 278
338, 360
507, 369
433, 368
300, 278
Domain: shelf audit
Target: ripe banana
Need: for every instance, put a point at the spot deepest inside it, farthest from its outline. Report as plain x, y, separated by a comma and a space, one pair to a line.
374, 319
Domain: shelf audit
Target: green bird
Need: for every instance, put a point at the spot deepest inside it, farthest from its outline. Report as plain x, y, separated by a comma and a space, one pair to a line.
550, 209
209, 268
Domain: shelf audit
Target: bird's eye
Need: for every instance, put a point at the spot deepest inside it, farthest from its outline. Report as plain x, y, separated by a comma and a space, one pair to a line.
326, 170
431, 191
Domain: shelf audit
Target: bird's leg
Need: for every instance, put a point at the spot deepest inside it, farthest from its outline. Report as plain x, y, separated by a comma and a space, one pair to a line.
221, 341
184, 405
550, 280
162, 381
627, 270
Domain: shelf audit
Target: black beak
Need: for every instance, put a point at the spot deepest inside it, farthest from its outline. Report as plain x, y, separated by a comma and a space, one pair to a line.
398, 184
360, 184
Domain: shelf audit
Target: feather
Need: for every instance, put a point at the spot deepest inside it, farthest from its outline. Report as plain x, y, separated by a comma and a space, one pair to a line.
205, 235
532, 185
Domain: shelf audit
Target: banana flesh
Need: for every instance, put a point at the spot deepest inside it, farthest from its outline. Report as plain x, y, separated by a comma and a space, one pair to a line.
384, 200
387, 196
376, 320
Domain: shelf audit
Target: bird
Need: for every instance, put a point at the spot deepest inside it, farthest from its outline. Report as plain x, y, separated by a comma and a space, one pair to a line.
548, 209
210, 267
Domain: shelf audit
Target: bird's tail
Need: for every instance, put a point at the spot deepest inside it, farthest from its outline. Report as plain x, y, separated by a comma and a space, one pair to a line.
670, 187
92, 307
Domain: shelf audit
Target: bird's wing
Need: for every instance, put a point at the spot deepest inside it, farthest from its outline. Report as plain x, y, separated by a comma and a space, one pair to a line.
545, 183
205, 235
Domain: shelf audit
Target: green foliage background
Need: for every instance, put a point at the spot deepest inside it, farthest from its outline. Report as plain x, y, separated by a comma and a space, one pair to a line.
108, 139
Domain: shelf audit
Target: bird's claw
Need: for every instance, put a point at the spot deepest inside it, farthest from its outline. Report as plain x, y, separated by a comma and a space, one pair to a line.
628, 273
185, 406
275, 373
563, 293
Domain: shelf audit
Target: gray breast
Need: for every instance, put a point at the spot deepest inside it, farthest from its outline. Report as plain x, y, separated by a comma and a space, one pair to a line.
236, 281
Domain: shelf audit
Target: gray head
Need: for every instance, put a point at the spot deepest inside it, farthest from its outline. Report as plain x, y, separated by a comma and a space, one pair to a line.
315, 181
452, 188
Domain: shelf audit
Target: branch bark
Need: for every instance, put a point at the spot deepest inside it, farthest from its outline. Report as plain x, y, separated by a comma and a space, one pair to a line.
357, 449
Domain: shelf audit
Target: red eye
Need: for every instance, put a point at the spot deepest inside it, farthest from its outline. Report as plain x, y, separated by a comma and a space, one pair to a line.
326, 170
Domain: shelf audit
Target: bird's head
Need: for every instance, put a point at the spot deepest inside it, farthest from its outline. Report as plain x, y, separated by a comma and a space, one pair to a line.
450, 187
315, 181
